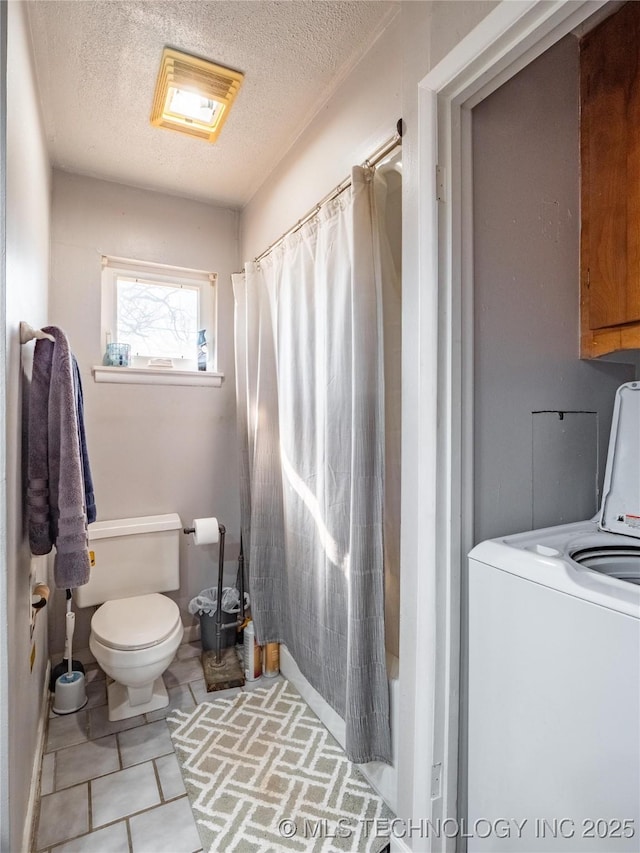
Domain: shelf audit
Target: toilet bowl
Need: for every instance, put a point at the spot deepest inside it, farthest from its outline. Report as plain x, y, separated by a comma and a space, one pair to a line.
134, 640
136, 630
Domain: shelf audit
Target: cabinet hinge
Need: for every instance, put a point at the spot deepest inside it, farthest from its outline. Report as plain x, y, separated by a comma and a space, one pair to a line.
436, 781
440, 190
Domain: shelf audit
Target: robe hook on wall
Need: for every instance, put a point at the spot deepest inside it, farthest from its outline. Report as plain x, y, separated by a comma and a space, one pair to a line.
28, 333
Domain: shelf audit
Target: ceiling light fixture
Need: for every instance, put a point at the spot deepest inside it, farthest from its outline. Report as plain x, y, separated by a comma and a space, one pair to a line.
192, 95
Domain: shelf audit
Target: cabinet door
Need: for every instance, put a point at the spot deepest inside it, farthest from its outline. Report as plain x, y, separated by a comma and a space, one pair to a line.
610, 142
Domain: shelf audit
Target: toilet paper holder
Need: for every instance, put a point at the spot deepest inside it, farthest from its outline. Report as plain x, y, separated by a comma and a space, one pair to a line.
218, 659
221, 529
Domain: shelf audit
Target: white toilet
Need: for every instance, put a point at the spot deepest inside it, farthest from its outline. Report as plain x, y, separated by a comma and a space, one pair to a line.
136, 631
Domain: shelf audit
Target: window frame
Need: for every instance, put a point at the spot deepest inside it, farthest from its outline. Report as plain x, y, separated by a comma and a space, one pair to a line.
203, 281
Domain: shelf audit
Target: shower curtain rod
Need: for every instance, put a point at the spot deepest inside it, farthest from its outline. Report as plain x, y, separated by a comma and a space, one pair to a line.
378, 155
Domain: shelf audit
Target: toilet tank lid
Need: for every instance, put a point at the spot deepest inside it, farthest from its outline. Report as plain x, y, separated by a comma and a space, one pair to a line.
130, 526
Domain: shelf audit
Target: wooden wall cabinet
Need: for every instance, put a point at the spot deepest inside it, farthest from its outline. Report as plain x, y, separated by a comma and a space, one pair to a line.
610, 184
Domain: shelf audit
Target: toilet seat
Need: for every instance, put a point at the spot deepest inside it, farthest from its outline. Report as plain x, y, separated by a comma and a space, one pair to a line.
135, 623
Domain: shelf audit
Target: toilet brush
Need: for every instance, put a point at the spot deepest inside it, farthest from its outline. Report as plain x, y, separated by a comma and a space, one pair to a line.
70, 690
62, 667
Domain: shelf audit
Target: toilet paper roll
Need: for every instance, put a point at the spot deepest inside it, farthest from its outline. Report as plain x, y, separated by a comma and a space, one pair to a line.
206, 531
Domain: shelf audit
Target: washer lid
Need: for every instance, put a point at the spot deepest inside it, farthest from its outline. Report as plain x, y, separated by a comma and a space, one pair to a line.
620, 511
135, 623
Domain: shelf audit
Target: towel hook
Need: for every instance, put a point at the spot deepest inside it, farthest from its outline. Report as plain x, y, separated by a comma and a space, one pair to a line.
28, 333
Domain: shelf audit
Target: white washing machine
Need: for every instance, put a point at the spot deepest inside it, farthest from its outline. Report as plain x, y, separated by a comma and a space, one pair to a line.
554, 674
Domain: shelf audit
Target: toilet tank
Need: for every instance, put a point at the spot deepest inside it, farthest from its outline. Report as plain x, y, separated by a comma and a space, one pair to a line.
133, 556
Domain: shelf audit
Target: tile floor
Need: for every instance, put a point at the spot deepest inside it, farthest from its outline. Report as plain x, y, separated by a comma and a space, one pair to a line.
111, 787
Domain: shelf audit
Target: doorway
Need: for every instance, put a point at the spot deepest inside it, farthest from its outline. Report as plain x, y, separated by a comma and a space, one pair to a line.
510, 38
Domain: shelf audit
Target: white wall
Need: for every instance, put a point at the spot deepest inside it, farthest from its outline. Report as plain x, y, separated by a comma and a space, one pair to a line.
360, 117
153, 449
27, 274
533, 470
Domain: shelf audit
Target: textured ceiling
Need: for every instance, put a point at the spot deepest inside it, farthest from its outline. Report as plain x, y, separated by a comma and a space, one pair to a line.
97, 62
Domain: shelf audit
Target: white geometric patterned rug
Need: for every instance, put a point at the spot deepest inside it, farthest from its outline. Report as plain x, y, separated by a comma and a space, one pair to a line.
264, 775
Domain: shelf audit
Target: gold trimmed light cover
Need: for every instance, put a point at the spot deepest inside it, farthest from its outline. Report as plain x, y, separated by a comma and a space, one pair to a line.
192, 95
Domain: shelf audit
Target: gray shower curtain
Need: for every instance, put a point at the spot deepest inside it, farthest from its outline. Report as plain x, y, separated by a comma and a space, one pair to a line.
309, 373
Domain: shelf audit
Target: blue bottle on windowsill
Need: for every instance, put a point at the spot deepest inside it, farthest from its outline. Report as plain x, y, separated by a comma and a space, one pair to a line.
202, 349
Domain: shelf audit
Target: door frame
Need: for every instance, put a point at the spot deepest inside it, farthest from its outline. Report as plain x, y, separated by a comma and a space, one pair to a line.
4, 616
511, 36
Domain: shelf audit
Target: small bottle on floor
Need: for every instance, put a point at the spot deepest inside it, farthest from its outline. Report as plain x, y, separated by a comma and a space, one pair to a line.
271, 666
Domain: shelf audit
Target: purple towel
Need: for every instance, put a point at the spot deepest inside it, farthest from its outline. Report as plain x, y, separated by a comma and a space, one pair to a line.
55, 497
89, 496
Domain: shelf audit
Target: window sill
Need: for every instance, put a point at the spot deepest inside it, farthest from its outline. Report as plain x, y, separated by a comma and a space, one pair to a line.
155, 376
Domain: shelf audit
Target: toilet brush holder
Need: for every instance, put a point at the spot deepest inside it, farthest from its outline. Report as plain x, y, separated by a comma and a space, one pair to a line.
71, 690
70, 693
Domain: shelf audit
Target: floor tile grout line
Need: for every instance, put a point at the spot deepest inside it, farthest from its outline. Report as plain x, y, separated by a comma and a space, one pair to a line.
84, 834
88, 733
146, 760
90, 805
126, 818
35, 820
48, 751
65, 840
129, 836
176, 798
191, 691
110, 772
120, 759
158, 781
58, 788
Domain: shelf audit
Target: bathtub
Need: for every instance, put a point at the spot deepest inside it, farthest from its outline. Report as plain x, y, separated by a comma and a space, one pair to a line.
382, 777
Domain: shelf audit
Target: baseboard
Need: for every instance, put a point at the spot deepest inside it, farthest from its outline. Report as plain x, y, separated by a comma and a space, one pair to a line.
34, 792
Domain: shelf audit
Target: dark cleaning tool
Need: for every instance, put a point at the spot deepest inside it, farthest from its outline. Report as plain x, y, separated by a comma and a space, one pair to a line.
60, 668
240, 586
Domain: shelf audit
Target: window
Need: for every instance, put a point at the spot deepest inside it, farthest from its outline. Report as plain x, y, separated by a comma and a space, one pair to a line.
159, 312
157, 320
